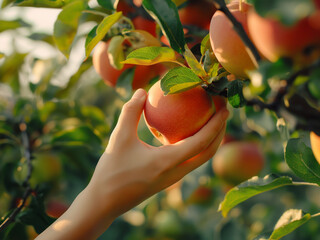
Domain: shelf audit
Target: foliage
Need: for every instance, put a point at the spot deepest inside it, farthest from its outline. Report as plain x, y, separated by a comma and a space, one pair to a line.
68, 119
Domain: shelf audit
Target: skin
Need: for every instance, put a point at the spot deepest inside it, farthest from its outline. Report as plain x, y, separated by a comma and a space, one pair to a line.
236, 162
274, 39
315, 145
122, 180
227, 45
191, 109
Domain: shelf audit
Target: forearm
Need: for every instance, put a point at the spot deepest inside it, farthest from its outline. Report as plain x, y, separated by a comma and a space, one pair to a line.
83, 220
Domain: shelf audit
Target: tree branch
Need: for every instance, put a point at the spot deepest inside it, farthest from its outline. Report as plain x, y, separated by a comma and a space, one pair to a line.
28, 189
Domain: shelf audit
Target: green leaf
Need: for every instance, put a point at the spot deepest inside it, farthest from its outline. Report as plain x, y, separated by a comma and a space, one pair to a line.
115, 52
250, 188
301, 161
283, 10
124, 84
66, 25
235, 94
179, 79
13, 24
151, 55
314, 84
98, 32
76, 136
166, 14
193, 63
2, 55
288, 222
43, 3
205, 44
108, 4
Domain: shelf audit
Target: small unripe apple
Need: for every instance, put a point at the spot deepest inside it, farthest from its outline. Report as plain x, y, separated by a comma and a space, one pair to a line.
174, 117
237, 161
315, 145
227, 46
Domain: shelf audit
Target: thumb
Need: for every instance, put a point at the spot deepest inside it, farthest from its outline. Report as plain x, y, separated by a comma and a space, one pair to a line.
131, 111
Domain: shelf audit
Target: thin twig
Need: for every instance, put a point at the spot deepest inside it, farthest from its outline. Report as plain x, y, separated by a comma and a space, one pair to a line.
28, 189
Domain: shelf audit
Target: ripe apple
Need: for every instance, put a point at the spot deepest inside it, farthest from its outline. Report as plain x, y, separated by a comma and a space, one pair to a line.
274, 39
237, 161
174, 117
110, 75
148, 25
197, 13
315, 145
227, 45
201, 196
55, 208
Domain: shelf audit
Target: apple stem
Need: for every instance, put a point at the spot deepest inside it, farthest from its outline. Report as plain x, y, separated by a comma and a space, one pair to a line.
28, 190
237, 26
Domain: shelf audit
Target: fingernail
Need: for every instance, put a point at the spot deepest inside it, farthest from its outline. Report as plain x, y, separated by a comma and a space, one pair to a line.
139, 94
225, 114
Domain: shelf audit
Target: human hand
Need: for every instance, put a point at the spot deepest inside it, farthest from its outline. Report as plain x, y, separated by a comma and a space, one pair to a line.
130, 170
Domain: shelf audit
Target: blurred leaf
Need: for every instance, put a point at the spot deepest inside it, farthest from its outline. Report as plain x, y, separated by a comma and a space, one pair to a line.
15, 231
124, 83
287, 11
261, 121
179, 79
235, 94
250, 188
66, 25
42, 37
314, 84
288, 222
13, 24
74, 79
141, 38
99, 32
108, 4
166, 14
43, 3
35, 215
301, 161
116, 52
193, 63
151, 55
2, 55
78, 136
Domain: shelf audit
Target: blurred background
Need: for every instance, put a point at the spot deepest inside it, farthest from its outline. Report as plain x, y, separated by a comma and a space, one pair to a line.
62, 113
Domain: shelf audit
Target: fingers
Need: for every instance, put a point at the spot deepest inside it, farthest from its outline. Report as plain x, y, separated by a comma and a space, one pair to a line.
193, 145
131, 112
204, 156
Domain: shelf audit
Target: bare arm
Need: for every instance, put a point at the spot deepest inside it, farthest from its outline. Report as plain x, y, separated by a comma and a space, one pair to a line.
130, 171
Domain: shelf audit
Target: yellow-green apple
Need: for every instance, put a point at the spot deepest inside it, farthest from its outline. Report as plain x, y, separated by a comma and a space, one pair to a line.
238, 161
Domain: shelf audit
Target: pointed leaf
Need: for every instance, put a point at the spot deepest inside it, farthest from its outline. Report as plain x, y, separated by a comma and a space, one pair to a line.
179, 79
115, 52
166, 14
98, 32
151, 55
193, 63
66, 25
288, 222
250, 188
235, 95
301, 160
205, 44
43, 3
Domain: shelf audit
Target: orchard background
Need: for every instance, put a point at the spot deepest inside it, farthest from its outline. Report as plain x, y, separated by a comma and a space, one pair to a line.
58, 107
